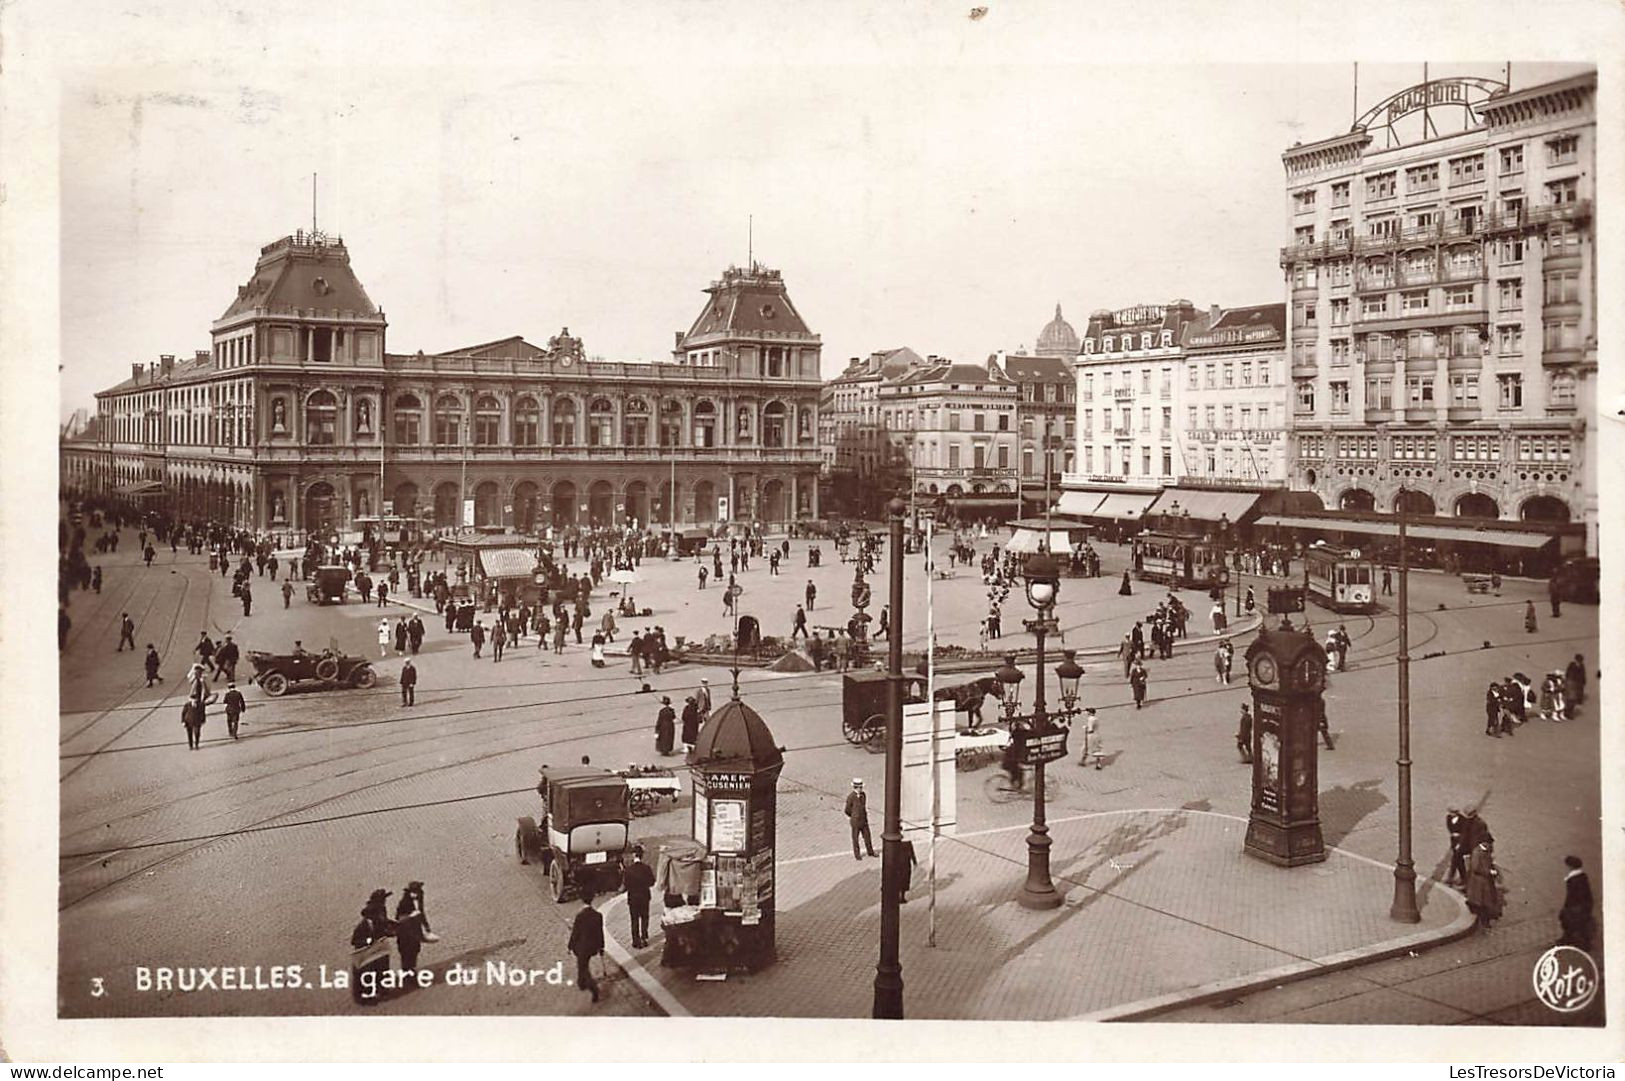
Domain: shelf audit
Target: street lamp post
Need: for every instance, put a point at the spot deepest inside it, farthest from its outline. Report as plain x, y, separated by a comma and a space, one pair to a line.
888, 1002
1404, 907
1043, 587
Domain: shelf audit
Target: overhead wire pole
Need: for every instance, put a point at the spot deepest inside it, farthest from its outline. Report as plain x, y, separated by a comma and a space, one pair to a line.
888, 1001
1404, 907
931, 697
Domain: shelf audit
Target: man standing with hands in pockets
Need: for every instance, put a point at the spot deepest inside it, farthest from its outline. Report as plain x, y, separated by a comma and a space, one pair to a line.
857, 814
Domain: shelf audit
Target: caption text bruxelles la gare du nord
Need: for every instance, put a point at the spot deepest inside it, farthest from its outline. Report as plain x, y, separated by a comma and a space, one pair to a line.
299, 977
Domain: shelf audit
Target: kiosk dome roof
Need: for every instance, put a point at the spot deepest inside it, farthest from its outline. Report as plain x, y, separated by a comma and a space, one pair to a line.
736, 735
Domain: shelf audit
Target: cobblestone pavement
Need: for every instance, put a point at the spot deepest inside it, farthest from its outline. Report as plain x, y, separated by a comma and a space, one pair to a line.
1156, 903
260, 851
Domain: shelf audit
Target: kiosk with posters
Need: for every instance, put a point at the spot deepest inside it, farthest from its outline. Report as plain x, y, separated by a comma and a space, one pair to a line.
736, 765
1286, 670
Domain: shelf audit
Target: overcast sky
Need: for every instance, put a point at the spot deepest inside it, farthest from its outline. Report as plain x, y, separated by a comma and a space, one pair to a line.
943, 196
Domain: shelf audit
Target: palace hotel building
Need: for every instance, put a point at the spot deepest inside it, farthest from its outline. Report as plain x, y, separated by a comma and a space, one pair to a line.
299, 418
1442, 304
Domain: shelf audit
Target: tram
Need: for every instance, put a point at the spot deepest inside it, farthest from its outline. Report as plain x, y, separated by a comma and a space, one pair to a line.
1340, 578
1181, 560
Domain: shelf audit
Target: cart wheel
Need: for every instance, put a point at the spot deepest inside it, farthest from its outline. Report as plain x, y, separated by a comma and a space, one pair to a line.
274, 684
642, 803
519, 845
555, 879
364, 678
327, 668
852, 731
874, 734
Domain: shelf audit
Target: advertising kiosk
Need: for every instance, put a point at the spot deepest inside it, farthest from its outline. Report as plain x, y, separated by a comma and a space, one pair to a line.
736, 766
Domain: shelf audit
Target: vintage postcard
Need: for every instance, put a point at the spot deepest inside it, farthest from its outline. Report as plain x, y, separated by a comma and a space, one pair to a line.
1088, 522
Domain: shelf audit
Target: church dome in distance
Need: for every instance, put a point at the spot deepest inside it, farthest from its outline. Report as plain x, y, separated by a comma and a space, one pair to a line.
1057, 339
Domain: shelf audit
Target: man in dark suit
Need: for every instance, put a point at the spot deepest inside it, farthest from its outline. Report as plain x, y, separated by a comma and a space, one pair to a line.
857, 815
1455, 827
409, 683
234, 708
587, 939
1575, 915
640, 879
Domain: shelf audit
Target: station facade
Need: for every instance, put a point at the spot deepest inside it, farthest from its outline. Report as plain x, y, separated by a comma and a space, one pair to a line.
298, 418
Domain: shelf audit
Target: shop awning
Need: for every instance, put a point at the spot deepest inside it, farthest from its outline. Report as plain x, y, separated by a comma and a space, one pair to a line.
145, 487
1204, 504
1082, 504
507, 563
1027, 540
1124, 506
1461, 534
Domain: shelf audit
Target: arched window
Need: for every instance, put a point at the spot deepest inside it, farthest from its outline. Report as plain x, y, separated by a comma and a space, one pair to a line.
601, 423
564, 422
487, 422
635, 425
773, 425
671, 423
527, 423
408, 420
321, 418
448, 421
705, 424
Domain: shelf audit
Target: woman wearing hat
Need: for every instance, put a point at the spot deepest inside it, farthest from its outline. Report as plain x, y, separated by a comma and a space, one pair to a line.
370, 962
691, 723
665, 726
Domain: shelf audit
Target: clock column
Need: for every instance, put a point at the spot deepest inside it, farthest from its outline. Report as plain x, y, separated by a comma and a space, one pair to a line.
1286, 670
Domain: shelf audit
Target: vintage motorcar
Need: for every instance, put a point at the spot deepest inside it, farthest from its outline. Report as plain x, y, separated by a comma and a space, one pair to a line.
276, 672
581, 840
328, 585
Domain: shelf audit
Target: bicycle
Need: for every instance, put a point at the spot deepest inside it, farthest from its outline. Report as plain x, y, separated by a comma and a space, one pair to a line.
999, 789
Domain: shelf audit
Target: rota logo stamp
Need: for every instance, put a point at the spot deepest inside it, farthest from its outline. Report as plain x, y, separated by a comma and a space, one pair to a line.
1566, 979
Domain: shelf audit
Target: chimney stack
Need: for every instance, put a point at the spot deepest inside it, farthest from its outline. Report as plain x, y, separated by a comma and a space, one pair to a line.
166, 363
135, 372
1212, 314
202, 355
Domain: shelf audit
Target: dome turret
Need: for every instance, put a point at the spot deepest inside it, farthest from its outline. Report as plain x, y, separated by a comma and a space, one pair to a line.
1057, 339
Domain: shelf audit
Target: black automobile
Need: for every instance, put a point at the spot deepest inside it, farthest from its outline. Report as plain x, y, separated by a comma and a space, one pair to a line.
275, 673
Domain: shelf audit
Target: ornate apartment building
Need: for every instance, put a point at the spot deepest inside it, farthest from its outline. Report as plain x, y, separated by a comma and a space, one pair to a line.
951, 430
1443, 304
1231, 418
299, 418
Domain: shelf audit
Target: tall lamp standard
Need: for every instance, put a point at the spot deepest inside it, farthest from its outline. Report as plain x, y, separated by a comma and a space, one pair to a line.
1043, 586
888, 1001
1404, 907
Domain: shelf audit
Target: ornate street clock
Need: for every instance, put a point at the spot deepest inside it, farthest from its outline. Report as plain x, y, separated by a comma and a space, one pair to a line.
1286, 670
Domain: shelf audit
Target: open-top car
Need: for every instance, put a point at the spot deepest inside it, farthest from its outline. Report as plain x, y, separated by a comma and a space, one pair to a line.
581, 841
276, 672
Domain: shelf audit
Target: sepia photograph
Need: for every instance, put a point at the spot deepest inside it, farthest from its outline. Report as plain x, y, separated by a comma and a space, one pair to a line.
909, 513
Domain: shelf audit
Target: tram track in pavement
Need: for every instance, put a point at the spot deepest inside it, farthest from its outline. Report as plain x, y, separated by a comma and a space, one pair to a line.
161, 703
169, 643
585, 728
94, 859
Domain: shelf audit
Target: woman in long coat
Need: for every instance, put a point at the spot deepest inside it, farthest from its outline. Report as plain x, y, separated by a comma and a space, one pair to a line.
665, 727
691, 723
1483, 895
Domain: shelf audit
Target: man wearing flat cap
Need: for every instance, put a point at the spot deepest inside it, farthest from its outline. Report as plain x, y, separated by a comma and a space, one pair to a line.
857, 815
